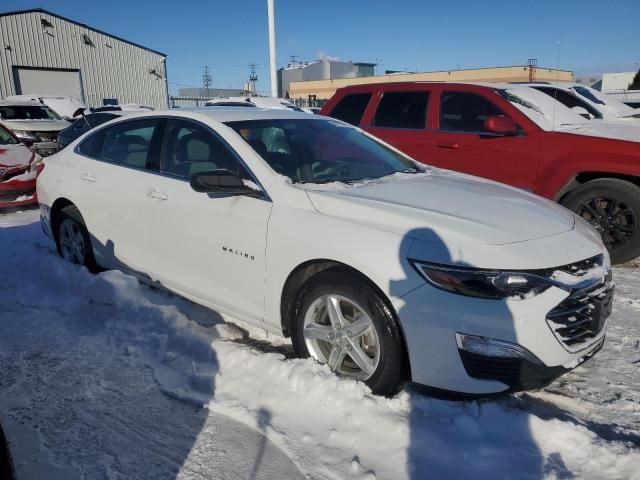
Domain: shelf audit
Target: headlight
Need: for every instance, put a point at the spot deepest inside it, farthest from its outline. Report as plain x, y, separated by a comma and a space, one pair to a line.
25, 135
483, 283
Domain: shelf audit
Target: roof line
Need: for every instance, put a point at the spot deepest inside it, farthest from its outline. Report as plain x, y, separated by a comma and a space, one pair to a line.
84, 25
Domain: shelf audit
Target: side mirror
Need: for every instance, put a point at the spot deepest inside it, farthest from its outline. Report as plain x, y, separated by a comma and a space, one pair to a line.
220, 181
500, 125
78, 112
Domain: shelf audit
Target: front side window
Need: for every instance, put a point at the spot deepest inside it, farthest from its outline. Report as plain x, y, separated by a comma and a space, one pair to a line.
402, 110
27, 112
191, 148
465, 112
351, 108
6, 138
321, 150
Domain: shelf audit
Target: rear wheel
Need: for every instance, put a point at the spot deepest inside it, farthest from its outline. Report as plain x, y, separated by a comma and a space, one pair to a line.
343, 322
612, 206
72, 239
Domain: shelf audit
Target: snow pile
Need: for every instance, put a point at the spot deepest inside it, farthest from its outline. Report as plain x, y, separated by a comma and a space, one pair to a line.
331, 428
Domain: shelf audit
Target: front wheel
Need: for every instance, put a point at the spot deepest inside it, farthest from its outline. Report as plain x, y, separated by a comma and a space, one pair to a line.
343, 322
612, 206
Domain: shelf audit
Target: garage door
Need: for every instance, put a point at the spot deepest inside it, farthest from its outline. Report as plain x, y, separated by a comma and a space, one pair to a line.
48, 82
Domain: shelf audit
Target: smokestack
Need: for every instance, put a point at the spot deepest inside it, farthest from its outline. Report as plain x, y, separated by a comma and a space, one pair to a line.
272, 49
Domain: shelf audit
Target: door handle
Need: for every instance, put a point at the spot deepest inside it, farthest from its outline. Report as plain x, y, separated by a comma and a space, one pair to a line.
153, 193
451, 145
87, 177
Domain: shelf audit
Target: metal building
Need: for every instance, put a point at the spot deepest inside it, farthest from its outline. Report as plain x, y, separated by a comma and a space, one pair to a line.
44, 53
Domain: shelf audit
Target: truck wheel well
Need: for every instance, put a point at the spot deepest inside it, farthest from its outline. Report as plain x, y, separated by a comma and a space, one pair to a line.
585, 177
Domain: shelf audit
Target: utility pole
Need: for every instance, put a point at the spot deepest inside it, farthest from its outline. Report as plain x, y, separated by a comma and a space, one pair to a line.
207, 80
293, 60
272, 48
253, 78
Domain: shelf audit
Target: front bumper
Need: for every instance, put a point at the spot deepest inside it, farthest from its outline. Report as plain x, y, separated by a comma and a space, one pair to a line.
45, 148
431, 318
18, 193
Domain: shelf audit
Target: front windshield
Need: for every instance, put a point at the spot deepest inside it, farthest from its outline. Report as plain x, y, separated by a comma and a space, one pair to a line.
6, 138
27, 112
321, 150
588, 95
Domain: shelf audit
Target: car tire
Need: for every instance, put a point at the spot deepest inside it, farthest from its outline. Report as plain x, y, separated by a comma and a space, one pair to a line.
612, 206
382, 342
72, 239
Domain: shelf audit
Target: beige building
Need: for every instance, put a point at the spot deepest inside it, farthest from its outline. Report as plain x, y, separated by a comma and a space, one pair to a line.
324, 89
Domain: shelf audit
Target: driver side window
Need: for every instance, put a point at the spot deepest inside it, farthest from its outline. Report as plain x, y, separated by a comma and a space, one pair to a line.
190, 148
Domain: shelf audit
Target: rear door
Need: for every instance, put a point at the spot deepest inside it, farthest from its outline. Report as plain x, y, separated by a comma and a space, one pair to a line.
399, 117
112, 168
461, 142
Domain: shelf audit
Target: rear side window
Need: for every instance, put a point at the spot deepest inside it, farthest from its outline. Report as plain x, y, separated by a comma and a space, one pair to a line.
351, 108
126, 143
402, 110
465, 112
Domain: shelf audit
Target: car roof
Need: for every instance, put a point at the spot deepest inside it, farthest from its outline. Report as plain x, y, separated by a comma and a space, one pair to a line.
20, 103
231, 114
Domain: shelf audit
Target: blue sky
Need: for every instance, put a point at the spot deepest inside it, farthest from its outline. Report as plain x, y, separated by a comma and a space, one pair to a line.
593, 36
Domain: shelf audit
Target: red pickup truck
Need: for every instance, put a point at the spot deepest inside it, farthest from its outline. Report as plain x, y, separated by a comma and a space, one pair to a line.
515, 135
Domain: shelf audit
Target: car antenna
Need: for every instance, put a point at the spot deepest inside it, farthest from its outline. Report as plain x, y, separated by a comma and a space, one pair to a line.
555, 90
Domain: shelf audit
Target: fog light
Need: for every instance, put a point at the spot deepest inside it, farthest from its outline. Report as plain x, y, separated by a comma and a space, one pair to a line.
490, 347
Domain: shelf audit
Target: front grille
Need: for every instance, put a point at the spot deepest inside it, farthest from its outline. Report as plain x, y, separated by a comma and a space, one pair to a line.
13, 195
47, 136
580, 317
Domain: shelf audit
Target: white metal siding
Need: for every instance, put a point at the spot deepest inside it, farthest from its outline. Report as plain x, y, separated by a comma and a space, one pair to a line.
49, 82
110, 69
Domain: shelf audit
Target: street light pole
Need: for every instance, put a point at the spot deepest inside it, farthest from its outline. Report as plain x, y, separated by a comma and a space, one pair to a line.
272, 49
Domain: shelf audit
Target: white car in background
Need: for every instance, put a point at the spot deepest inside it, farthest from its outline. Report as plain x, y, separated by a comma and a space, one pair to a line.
380, 267
33, 123
260, 102
65, 106
589, 102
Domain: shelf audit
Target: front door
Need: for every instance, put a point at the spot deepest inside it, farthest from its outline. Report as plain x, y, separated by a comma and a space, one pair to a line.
209, 246
462, 143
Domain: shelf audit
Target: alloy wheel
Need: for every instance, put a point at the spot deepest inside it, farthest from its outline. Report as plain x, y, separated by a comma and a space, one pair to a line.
340, 333
72, 242
615, 221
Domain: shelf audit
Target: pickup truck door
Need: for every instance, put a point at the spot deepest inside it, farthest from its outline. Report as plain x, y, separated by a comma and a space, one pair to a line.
461, 143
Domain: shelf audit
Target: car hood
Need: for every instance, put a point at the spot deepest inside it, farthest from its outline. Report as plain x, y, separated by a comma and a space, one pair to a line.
36, 125
444, 205
603, 129
14, 155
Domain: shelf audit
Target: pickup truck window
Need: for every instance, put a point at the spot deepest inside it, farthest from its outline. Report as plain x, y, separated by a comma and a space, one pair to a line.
351, 108
402, 110
465, 112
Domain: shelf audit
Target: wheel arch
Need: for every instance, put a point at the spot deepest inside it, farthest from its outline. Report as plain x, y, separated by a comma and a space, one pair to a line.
305, 271
57, 207
583, 177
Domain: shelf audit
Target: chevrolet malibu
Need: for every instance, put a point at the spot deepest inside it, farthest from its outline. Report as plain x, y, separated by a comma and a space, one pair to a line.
384, 269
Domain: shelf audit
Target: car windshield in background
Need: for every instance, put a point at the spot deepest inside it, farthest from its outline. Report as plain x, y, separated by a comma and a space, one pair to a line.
321, 151
27, 112
588, 95
6, 138
513, 98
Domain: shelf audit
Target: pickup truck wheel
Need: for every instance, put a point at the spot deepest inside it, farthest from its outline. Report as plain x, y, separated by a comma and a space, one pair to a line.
612, 206
72, 239
341, 321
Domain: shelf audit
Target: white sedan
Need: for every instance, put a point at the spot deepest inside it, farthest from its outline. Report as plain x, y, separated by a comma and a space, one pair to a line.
383, 269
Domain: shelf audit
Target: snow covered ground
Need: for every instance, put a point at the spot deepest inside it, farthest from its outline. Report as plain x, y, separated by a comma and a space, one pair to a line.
102, 377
